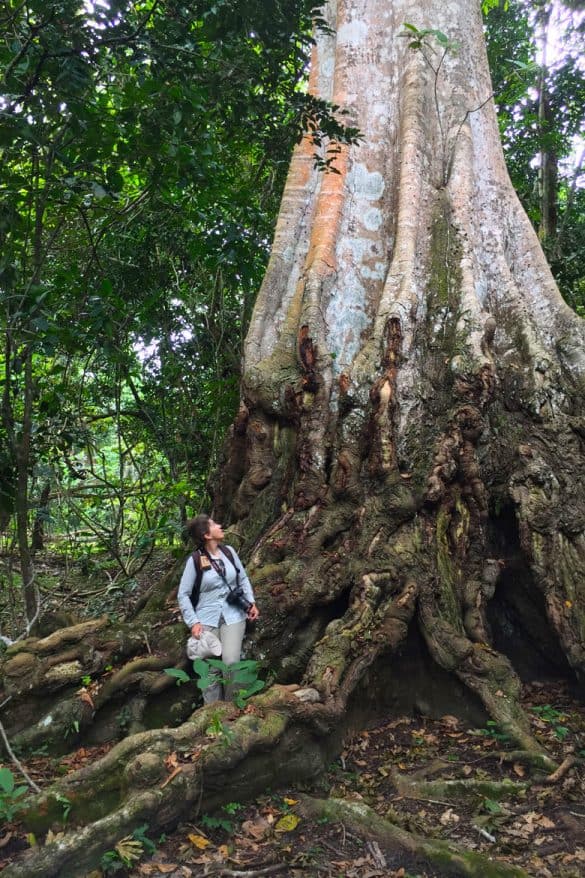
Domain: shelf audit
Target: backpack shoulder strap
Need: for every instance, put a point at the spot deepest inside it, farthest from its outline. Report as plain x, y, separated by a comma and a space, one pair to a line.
198, 577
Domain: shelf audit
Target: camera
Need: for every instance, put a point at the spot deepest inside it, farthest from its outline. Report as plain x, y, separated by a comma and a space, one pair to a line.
237, 598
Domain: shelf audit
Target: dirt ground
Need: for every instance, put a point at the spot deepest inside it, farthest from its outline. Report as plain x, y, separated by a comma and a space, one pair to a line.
533, 822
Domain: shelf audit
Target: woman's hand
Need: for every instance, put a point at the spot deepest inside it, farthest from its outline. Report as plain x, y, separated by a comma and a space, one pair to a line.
196, 630
253, 613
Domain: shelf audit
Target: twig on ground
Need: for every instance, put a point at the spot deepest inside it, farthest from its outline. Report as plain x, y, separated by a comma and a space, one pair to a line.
378, 857
16, 761
485, 834
562, 770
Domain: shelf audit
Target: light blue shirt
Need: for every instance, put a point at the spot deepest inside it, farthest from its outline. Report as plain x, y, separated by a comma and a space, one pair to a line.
212, 604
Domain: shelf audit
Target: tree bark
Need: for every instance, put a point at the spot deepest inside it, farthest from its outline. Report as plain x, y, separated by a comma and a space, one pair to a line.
413, 382
411, 433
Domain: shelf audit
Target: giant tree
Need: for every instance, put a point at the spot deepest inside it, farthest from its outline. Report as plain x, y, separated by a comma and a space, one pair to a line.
408, 454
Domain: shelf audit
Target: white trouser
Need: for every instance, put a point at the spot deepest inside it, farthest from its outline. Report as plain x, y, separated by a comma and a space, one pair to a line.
231, 637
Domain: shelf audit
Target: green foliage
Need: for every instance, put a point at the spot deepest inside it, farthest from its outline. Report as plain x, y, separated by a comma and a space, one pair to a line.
124, 717
420, 38
10, 794
111, 863
144, 150
221, 822
140, 835
218, 729
242, 676
179, 675
488, 5
541, 112
492, 730
66, 805
127, 851
491, 806
556, 719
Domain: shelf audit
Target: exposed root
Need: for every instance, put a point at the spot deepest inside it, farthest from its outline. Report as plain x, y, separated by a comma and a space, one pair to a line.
446, 857
43, 678
529, 757
464, 788
139, 780
563, 769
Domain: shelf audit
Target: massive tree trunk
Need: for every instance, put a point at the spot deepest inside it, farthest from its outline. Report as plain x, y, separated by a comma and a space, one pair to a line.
409, 451
412, 418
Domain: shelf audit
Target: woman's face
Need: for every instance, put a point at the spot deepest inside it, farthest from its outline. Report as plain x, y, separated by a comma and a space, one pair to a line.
215, 531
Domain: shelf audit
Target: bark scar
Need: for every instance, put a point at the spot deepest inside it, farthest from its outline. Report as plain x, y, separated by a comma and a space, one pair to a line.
308, 359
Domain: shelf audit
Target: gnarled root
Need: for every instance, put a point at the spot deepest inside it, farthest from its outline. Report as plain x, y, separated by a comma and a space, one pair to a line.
447, 857
158, 776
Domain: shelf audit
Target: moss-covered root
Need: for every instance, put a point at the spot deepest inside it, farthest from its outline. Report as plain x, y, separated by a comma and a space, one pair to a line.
458, 789
136, 783
75, 854
449, 859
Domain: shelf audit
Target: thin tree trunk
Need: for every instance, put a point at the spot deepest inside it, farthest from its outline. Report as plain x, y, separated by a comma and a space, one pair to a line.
23, 461
38, 534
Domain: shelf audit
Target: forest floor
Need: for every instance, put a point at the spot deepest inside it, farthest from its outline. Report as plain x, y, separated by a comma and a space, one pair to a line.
542, 829
72, 590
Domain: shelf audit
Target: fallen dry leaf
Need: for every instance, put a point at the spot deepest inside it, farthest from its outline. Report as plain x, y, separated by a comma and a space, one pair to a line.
448, 817
129, 849
199, 841
171, 761
258, 828
86, 697
287, 823
519, 769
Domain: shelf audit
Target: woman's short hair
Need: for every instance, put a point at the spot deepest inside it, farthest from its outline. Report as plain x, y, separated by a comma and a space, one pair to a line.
197, 528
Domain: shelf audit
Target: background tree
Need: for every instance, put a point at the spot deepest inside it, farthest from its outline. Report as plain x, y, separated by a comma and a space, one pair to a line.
144, 149
534, 52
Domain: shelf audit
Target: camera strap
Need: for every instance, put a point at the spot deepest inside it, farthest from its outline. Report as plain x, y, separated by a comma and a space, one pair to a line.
219, 567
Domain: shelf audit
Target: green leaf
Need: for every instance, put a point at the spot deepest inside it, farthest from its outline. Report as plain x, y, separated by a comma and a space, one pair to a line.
180, 675
6, 780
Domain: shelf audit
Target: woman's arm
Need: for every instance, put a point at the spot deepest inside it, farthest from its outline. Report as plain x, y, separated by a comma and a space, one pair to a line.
184, 594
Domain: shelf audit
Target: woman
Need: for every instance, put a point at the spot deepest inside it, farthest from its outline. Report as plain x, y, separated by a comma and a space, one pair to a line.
211, 610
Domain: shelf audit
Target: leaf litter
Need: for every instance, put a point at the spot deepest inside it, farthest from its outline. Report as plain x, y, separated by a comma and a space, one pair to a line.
541, 830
